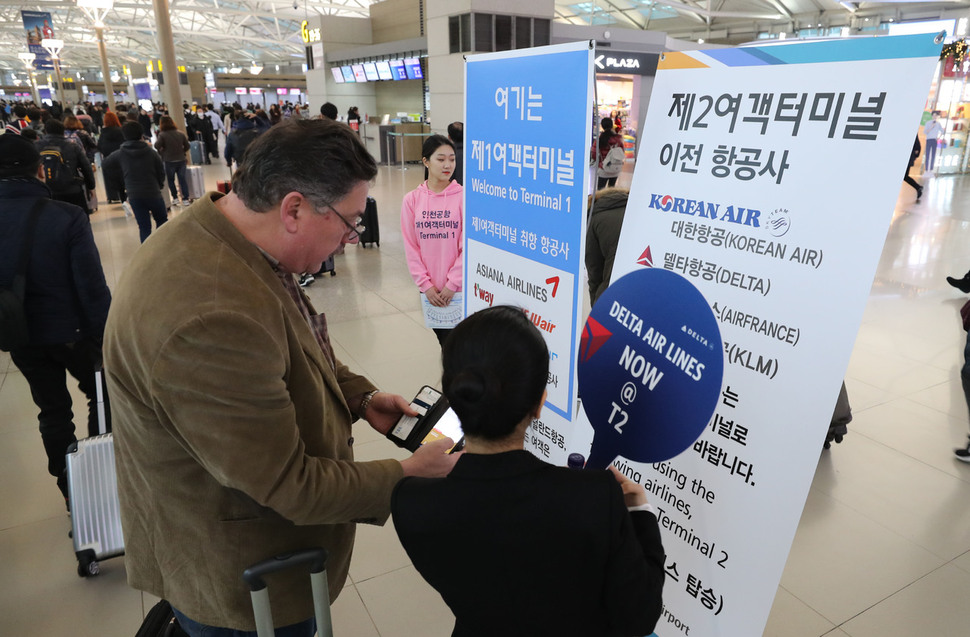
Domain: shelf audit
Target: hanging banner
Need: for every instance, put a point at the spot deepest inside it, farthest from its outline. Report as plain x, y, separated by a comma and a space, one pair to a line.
37, 25
525, 206
747, 189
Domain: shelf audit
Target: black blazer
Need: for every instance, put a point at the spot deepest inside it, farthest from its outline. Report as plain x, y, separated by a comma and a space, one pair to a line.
517, 546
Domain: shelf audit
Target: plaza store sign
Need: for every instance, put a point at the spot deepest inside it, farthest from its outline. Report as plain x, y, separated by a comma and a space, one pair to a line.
627, 63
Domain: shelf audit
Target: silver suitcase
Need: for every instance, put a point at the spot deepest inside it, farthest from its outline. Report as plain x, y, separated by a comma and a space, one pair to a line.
93, 488
196, 181
313, 560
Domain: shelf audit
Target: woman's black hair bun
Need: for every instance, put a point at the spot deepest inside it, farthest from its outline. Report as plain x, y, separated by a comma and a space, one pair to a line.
469, 386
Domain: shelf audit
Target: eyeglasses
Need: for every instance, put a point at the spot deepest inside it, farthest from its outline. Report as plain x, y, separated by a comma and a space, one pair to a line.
355, 230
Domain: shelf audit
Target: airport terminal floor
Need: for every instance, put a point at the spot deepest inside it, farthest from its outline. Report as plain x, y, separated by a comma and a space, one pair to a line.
883, 546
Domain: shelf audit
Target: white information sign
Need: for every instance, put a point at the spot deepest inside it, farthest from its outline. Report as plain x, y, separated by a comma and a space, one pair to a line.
527, 114
766, 177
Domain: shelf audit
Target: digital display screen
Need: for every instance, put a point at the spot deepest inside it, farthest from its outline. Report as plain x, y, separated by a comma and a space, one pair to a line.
338, 75
359, 73
384, 71
370, 71
348, 74
397, 70
413, 68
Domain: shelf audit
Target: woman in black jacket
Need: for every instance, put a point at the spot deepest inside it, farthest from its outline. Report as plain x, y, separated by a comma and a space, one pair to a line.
469, 534
111, 140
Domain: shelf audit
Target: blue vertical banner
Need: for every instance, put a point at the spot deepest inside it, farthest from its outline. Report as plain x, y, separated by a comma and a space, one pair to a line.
37, 27
526, 180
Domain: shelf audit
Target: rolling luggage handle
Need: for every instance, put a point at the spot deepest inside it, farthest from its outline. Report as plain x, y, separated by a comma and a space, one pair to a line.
316, 561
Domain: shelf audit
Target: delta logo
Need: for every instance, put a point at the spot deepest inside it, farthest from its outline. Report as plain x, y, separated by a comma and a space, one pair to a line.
707, 210
593, 338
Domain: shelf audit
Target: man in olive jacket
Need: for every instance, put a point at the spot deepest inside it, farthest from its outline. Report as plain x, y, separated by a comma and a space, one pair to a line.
232, 415
602, 237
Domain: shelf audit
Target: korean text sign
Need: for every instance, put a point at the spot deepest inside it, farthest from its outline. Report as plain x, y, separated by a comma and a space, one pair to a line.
767, 177
527, 117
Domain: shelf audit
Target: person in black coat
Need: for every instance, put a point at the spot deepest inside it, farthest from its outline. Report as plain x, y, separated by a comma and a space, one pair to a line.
66, 299
75, 163
146, 123
140, 168
244, 130
515, 546
200, 129
111, 140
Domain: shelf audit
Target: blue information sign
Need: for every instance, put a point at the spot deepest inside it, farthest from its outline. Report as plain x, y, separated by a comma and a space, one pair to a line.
651, 365
526, 175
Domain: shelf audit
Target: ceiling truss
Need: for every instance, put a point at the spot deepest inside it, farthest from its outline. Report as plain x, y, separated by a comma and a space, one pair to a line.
211, 33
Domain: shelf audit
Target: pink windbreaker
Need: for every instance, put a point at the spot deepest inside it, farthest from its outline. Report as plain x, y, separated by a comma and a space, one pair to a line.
431, 227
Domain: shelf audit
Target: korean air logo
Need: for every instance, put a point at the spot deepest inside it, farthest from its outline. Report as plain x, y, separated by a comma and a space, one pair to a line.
707, 211
778, 223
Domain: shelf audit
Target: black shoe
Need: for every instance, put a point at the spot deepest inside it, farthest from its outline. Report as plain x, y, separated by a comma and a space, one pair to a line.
919, 194
961, 284
962, 454
305, 280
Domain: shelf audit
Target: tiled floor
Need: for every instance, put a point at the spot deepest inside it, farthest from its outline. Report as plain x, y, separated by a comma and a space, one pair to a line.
883, 548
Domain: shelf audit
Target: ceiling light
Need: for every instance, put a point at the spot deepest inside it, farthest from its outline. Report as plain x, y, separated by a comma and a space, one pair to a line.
255, 69
235, 70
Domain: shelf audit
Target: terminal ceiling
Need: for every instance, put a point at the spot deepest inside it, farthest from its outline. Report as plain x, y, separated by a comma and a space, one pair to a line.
214, 33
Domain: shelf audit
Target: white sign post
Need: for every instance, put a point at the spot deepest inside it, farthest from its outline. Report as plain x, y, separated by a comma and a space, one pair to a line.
766, 177
527, 117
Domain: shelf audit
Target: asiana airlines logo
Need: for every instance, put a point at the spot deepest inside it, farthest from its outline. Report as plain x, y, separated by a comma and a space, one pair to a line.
707, 210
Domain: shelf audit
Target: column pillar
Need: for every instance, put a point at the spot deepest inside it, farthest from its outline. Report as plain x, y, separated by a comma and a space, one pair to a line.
33, 86
60, 85
166, 53
108, 88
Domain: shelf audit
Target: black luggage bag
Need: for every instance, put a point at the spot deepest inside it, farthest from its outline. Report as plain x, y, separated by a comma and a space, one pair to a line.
372, 229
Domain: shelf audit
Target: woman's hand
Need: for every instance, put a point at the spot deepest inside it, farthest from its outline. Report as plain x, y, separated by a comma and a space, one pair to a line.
445, 295
633, 493
434, 297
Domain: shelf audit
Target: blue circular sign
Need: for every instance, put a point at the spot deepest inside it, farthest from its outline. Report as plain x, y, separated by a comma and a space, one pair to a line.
651, 363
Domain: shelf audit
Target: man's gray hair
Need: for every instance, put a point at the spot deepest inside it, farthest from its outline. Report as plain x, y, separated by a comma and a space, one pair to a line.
321, 159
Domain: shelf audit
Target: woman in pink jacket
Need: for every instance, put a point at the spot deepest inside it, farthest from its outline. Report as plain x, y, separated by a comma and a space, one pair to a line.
431, 227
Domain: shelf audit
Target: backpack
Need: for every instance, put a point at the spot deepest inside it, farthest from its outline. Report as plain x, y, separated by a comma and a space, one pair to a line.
160, 622
59, 175
613, 162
